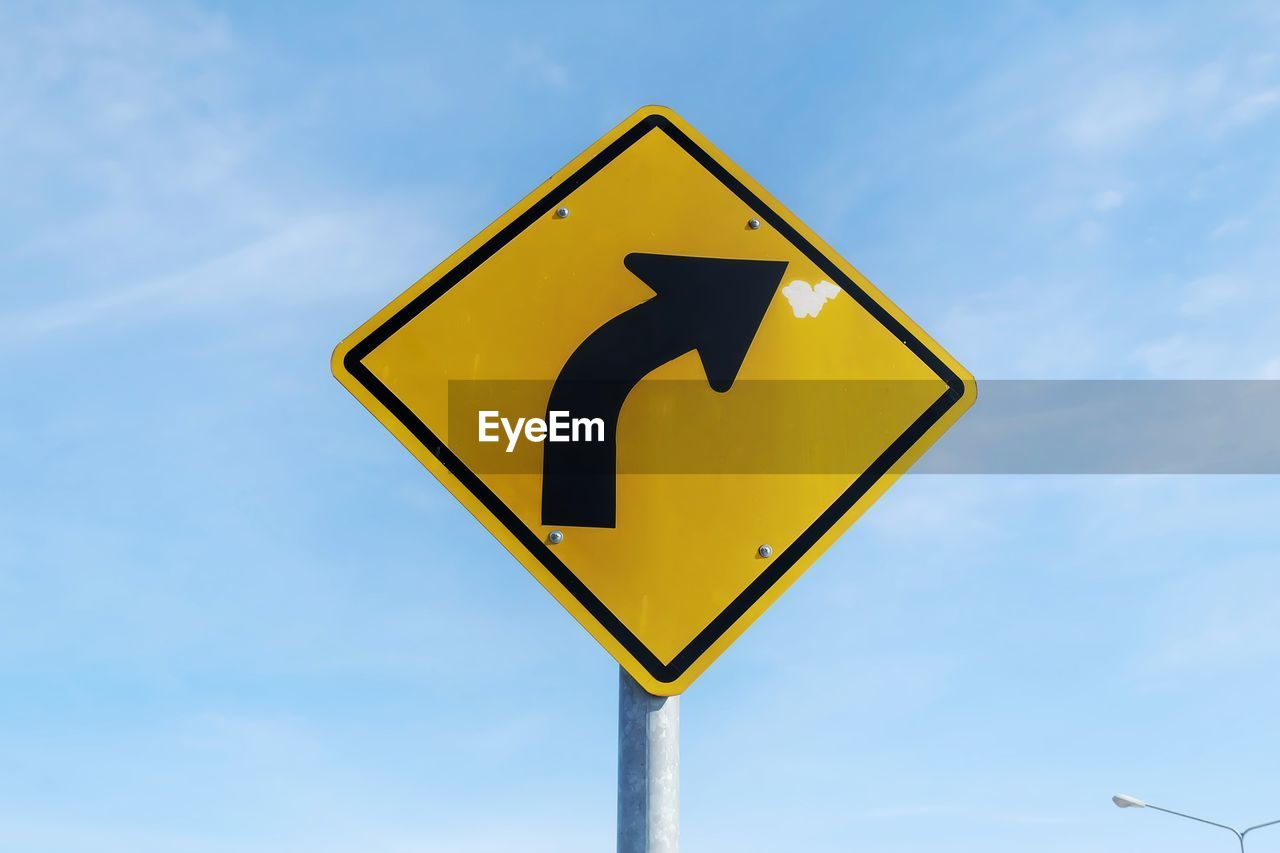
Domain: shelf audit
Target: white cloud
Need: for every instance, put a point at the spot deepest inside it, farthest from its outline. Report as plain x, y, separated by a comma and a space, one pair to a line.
1175, 356
264, 783
1212, 293
316, 256
947, 811
1205, 625
1116, 110
150, 189
1108, 200
1253, 107
1029, 328
1228, 226
534, 61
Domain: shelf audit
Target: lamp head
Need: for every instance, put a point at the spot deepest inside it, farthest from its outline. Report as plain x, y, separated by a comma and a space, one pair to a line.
1124, 801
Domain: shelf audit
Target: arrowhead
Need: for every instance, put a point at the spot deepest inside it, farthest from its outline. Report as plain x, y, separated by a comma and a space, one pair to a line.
716, 304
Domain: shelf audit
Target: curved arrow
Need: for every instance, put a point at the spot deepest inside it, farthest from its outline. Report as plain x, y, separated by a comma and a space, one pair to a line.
712, 305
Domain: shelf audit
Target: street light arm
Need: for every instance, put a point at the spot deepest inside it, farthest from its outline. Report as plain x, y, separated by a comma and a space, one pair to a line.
1259, 826
1238, 834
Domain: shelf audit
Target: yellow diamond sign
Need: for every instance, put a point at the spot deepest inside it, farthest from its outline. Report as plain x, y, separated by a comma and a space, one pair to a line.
658, 389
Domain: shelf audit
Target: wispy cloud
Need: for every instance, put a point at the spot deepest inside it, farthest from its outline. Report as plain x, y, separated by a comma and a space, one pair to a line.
1115, 109
238, 618
146, 188
313, 257
536, 62
1116, 124
1215, 625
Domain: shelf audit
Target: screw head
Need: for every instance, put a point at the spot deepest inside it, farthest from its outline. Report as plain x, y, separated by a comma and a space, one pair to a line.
562, 213
555, 537
753, 224
765, 551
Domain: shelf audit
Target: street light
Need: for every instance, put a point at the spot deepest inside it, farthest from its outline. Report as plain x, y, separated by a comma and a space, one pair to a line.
1124, 801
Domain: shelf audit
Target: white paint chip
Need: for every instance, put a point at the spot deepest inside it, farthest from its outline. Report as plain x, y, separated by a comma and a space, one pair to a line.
806, 299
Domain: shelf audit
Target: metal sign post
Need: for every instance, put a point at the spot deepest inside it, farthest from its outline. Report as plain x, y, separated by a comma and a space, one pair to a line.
648, 769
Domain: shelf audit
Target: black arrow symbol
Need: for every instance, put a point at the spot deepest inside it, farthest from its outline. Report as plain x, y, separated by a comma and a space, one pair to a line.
712, 305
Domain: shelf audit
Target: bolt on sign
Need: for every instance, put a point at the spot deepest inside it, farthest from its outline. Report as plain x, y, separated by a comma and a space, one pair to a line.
658, 389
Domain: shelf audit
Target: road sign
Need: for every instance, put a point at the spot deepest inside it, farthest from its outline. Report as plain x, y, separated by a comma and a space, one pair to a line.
658, 389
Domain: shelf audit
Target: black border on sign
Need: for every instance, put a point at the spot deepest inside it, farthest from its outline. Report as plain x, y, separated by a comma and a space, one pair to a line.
777, 568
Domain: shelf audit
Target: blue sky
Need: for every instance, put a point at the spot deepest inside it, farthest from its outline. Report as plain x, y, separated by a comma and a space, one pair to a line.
236, 616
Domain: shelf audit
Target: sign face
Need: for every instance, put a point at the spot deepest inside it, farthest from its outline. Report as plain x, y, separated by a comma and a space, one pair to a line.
658, 389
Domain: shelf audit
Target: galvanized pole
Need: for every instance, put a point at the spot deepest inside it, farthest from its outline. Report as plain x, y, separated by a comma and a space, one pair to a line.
648, 770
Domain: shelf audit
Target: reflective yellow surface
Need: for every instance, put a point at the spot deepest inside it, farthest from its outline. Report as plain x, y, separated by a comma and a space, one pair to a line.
685, 545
